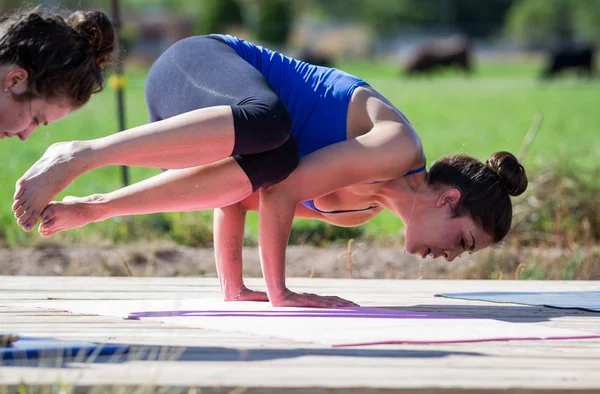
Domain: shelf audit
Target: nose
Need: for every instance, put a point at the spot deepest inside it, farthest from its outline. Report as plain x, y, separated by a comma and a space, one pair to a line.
450, 255
24, 135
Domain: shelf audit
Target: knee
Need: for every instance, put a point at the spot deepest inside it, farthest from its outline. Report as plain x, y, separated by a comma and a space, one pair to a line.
260, 126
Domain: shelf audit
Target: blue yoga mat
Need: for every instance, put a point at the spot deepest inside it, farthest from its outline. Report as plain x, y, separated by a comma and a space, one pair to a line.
585, 300
30, 347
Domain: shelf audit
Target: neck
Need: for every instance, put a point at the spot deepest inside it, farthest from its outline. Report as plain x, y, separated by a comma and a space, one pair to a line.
405, 196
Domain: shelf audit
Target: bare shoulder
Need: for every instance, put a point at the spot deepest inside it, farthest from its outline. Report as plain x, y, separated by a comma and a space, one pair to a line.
369, 107
374, 120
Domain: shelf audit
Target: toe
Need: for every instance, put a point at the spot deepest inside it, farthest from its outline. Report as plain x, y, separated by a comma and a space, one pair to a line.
19, 188
28, 220
20, 211
17, 204
46, 229
48, 214
48, 223
24, 217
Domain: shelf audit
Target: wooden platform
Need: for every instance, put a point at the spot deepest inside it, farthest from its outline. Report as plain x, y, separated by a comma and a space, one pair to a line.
210, 361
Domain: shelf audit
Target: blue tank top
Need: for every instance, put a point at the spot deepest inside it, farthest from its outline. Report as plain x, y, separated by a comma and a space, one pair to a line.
317, 98
310, 204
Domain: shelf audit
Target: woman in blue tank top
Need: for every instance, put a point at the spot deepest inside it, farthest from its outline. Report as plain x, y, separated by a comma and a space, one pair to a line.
240, 128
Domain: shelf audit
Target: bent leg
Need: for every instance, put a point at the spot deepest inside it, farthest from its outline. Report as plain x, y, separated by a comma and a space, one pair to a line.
204, 187
213, 185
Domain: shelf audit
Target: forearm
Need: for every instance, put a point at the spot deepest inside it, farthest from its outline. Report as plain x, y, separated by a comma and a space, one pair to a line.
187, 140
228, 228
276, 214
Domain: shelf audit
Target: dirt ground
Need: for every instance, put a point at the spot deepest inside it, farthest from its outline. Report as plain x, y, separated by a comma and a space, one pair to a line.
165, 258
168, 259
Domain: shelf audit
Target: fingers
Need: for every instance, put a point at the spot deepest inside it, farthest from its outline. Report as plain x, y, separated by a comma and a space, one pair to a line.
310, 300
322, 302
344, 302
291, 299
333, 300
304, 301
330, 301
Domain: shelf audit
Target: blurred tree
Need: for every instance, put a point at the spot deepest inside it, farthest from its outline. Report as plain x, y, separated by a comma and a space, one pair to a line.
540, 22
586, 18
336, 9
473, 17
179, 7
274, 21
218, 15
385, 16
478, 18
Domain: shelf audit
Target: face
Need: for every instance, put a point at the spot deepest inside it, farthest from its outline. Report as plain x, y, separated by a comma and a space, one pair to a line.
433, 232
21, 118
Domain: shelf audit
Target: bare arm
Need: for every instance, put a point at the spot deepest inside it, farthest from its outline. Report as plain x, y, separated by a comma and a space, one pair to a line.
388, 151
228, 228
229, 239
276, 214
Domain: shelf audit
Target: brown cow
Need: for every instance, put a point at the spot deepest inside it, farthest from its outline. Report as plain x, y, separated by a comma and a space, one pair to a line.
455, 51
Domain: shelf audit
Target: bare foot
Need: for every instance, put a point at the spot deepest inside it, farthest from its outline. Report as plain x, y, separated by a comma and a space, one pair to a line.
72, 212
45, 179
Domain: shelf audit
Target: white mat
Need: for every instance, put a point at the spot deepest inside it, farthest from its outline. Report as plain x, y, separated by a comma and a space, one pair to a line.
334, 327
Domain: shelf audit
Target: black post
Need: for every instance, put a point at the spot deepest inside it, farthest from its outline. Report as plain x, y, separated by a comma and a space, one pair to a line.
119, 79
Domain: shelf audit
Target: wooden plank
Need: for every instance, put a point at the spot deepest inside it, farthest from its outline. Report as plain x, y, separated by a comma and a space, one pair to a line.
219, 362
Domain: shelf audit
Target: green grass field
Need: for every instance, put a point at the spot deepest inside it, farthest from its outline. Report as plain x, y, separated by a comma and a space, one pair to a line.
479, 115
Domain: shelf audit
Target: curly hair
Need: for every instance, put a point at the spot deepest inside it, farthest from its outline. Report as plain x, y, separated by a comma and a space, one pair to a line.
64, 56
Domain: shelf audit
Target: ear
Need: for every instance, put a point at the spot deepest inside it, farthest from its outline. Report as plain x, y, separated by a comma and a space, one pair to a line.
16, 81
450, 197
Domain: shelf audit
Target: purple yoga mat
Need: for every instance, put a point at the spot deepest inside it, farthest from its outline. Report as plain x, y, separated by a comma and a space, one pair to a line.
354, 312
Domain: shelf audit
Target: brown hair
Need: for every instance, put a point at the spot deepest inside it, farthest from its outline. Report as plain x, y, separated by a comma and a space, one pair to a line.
64, 57
485, 188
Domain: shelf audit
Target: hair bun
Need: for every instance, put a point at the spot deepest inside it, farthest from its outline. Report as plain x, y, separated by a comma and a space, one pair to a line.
511, 172
98, 30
